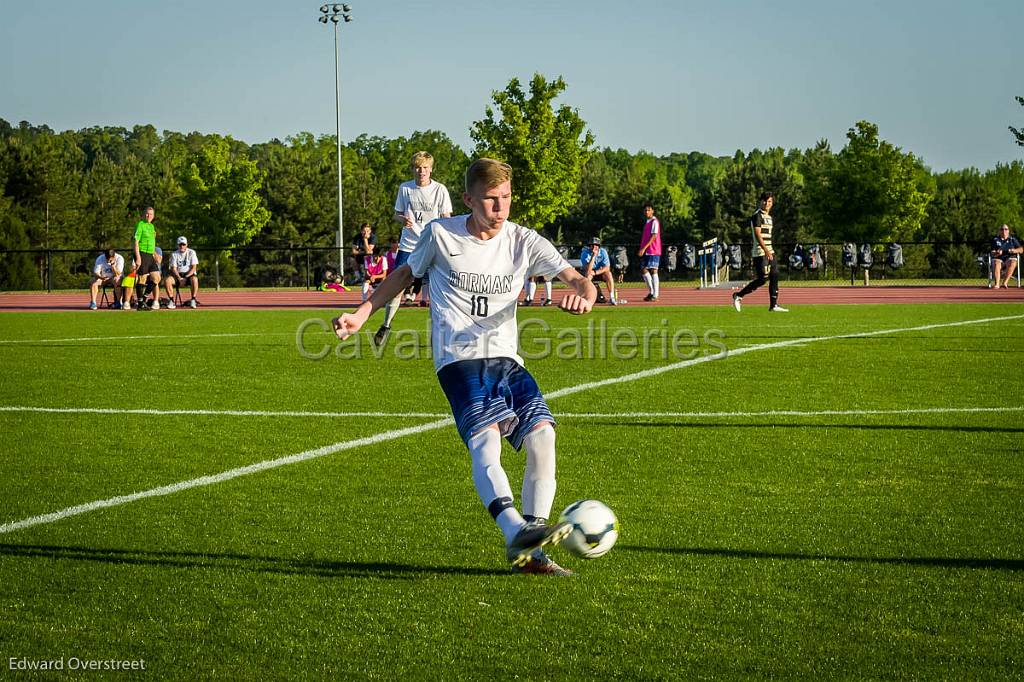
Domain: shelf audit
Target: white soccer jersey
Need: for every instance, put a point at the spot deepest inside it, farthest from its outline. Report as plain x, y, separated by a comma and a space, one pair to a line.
103, 268
424, 204
183, 262
474, 286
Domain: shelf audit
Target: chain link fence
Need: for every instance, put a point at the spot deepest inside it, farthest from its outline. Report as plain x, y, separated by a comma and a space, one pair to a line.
921, 263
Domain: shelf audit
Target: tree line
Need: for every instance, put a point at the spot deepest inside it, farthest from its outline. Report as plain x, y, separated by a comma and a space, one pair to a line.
84, 189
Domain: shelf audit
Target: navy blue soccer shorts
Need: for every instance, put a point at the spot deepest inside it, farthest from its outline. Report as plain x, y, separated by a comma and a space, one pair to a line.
493, 391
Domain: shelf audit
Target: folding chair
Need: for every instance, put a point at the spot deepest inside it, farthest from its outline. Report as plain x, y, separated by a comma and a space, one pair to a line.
104, 300
177, 293
992, 270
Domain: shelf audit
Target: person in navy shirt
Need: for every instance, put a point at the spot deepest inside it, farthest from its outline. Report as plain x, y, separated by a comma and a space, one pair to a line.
1005, 248
596, 266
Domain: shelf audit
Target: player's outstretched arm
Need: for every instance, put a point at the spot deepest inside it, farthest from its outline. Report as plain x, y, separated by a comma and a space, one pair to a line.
349, 323
583, 294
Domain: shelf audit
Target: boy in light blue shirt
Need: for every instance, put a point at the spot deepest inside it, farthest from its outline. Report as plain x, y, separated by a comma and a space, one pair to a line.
596, 266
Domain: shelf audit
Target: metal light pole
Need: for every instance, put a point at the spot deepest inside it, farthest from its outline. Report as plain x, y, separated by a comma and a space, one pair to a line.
335, 14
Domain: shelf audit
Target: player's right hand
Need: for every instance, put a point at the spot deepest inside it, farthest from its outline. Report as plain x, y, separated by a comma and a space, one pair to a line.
575, 304
347, 325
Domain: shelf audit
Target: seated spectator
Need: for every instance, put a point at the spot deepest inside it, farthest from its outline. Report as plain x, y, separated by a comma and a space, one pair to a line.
107, 271
363, 245
392, 255
376, 268
332, 281
597, 267
1005, 249
182, 271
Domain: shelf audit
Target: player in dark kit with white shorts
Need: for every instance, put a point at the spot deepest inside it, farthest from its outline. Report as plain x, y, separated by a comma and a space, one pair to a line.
765, 265
476, 263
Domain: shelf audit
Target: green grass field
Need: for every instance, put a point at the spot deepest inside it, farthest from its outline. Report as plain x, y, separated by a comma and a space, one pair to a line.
822, 543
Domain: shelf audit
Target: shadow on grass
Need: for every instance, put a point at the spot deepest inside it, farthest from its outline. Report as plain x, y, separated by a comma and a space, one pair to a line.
939, 562
246, 563
832, 425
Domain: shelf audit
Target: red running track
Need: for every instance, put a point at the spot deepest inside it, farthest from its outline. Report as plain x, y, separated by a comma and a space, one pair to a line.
672, 296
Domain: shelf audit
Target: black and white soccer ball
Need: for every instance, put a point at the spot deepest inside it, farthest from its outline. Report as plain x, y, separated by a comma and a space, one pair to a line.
594, 528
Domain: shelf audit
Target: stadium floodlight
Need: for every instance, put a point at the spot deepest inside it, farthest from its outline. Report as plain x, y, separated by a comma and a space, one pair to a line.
333, 12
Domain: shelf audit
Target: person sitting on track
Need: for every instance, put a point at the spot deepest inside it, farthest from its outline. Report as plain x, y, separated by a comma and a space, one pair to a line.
107, 271
376, 268
596, 266
183, 269
1005, 251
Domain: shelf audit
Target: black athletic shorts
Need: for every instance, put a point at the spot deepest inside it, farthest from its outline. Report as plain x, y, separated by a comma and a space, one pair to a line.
149, 264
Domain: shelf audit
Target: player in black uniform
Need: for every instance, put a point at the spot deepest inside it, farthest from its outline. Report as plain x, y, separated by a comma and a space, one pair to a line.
765, 265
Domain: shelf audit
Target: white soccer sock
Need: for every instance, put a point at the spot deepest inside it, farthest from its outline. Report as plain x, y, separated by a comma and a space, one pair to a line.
366, 289
547, 289
649, 282
491, 482
391, 309
539, 477
657, 284
531, 290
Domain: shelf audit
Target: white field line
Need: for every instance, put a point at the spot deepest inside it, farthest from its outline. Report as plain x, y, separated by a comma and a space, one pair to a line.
399, 433
224, 476
560, 415
786, 413
655, 371
148, 336
215, 413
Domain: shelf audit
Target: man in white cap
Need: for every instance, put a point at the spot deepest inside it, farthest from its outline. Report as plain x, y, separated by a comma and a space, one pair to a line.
183, 270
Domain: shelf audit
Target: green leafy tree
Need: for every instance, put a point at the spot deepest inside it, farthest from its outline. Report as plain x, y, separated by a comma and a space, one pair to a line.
1018, 134
870, 192
546, 147
17, 270
220, 203
744, 181
107, 190
1007, 183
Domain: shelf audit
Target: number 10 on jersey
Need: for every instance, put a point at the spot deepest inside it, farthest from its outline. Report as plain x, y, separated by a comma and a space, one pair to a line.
478, 306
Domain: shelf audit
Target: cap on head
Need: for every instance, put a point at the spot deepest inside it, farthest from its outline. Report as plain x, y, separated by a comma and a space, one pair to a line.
595, 241
182, 240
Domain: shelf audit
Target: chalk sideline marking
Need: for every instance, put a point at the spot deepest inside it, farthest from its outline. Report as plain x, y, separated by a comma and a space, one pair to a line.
148, 336
213, 413
560, 415
399, 433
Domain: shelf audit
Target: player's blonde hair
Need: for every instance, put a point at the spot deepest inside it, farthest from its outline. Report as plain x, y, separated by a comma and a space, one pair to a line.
487, 172
421, 159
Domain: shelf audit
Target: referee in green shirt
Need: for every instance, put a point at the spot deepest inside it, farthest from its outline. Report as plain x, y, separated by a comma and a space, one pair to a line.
146, 263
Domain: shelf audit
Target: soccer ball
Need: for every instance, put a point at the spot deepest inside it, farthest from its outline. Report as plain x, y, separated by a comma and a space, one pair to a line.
594, 528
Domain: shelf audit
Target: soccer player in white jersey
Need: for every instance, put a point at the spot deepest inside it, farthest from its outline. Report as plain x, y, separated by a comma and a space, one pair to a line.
476, 264
419, 201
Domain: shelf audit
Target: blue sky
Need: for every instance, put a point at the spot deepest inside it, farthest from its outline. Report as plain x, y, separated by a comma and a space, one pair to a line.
937, 77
